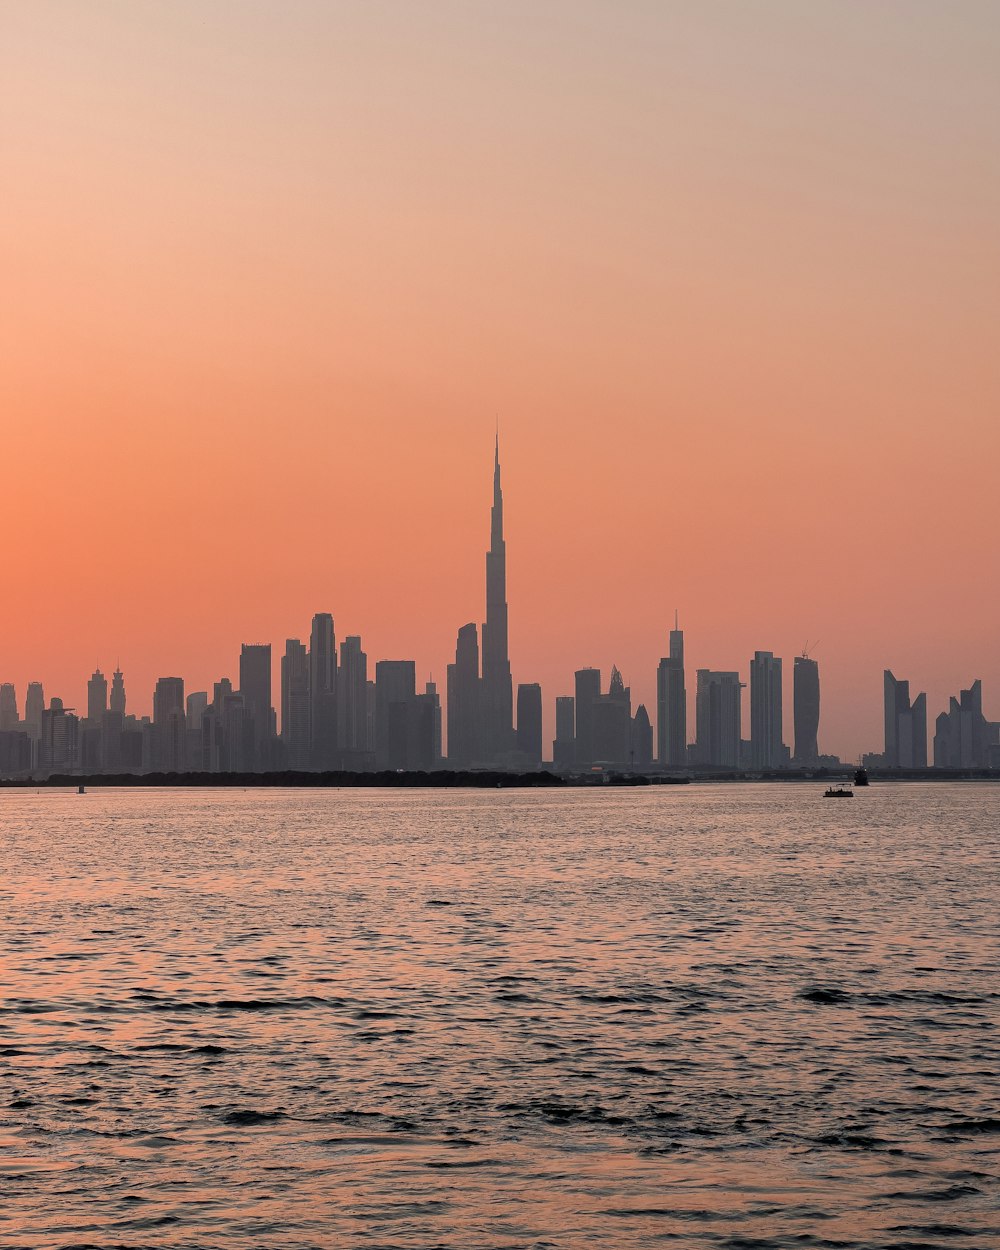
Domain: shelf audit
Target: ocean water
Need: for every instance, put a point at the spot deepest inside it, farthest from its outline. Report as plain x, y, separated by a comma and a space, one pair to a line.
724, 1016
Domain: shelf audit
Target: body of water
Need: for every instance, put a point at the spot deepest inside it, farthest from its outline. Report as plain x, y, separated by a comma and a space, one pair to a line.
723, 1016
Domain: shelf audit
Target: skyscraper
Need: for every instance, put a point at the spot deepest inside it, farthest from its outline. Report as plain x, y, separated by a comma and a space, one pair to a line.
805, 687
464, 696
588, 691
529, 721
642, 739
564, 744
169, 725
352, 704
118, 692
497, 689
34, 705
97, 697
295, 704
905, 724
671, 705
612, 723
255, 687
766, 746
8, 706
962, 734
395, 692
423, 746
323, 692
718, 718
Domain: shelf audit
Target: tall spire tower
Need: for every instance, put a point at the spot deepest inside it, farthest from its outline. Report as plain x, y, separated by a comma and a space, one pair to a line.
498, 699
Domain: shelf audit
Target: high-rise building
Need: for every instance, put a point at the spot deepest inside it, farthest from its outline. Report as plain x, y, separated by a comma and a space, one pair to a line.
8, 707
34, 705
169, 726
612, 723
58, 748
588, 691
642, 739
465, 708
805, 686
237, 747
196, 706
97, 697
423, 748
352, 704
962, 736
323, 692
497, 688
529, 721
718, 718
395, 691
118, 692
295, 704
905, 725
255, 687
564, 744
766, 746
671, 705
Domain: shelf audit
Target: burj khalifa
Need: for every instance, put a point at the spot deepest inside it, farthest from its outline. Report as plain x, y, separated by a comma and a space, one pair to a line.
497, 689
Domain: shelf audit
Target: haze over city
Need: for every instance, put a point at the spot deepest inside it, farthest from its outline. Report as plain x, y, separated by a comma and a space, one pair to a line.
728, 276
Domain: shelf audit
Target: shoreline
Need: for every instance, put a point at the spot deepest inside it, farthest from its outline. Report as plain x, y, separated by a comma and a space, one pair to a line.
467, 779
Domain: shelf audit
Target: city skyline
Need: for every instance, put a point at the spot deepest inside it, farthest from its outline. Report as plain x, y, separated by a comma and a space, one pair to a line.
333, 715
730, 284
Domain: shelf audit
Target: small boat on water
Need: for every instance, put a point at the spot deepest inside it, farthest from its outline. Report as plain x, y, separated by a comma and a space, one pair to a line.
81, 789
840, 791
861, 777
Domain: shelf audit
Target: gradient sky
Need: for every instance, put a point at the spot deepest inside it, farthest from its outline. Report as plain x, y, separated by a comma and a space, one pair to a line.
729, 273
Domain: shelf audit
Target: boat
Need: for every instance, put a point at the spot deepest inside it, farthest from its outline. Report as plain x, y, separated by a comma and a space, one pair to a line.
81, 789
839, 791
861, 777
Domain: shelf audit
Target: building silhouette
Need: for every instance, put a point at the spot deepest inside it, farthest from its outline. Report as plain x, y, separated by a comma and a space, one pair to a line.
395, 692
465, 702
963, 737
60, 738
564, 744
529, 722
323, 692
497, 688
34, 706
905, 725
642, 740
423, 745
8, 707
671, 705
97, 697
805, 687
718, 718
612, 724
255, 687
766, 746
117, 703
295, 704
353, 741
588, 691
169, 752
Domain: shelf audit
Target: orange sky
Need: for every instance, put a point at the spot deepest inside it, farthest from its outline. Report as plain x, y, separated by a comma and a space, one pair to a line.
729, 274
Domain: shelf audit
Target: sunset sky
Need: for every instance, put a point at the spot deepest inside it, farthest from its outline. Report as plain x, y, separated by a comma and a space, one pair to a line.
728, 274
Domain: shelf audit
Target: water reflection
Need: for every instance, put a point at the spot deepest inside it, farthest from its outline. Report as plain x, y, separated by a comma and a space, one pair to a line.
714, 1015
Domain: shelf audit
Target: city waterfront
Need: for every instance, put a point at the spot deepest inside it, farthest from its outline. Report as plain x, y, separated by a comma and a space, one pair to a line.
728, 1015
